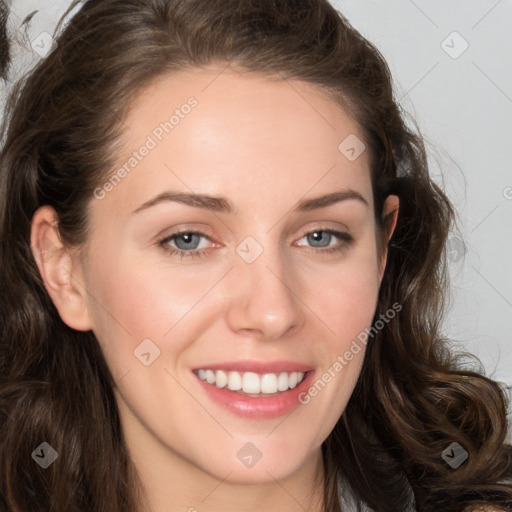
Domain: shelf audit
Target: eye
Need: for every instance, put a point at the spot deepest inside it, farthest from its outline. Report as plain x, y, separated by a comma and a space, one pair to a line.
321, 239
191, 243
186, 243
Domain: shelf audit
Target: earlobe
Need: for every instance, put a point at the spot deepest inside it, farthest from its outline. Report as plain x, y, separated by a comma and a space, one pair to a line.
60, 270
389, 218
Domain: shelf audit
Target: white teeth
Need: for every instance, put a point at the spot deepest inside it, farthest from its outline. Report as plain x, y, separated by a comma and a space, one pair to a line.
210, 377
269, 383
282, 381
250, 382
221, 379
234, 381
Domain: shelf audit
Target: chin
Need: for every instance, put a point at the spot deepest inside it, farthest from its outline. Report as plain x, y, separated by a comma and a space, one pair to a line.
256, 462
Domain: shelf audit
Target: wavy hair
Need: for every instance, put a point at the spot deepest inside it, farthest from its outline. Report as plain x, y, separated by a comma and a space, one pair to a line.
62, 124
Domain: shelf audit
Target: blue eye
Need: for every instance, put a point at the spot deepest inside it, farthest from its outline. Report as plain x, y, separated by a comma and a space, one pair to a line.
189, 241
320, 240
186, 243
321, 237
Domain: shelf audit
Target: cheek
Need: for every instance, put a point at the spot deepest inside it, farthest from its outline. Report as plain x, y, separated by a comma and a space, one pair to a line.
345, 300
346, 295
150, 292
349, 297
132, 301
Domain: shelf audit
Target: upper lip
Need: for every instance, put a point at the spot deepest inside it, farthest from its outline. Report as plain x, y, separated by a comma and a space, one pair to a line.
257, 366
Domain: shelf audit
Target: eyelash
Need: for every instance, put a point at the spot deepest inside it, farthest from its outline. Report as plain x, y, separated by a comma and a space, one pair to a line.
163, 243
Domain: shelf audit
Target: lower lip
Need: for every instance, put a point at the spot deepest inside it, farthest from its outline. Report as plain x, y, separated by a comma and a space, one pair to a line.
263, 407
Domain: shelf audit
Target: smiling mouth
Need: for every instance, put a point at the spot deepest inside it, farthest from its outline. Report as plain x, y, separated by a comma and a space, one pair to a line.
250, 383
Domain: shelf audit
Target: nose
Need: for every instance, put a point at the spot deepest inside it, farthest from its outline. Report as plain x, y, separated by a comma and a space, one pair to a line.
264, 301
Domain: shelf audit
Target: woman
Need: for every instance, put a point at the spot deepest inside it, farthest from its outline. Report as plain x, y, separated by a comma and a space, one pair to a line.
222, 276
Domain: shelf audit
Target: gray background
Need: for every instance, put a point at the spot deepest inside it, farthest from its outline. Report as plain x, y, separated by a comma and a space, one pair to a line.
462, 100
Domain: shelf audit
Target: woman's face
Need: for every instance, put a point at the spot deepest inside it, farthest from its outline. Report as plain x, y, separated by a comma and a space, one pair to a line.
266, 285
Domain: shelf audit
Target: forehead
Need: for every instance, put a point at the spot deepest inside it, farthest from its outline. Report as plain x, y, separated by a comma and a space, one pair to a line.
225, 132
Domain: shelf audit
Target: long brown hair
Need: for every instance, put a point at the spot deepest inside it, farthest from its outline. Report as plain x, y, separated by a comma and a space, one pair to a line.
412, 400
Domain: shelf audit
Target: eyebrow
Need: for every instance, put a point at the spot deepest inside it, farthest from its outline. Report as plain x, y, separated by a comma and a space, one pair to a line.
223, 205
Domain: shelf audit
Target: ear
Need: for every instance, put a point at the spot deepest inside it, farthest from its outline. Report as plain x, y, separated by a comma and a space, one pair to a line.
60, 269
389, 218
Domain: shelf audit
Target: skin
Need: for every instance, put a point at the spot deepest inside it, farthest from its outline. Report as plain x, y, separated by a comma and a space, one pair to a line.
264, 145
